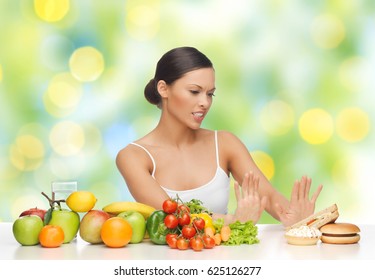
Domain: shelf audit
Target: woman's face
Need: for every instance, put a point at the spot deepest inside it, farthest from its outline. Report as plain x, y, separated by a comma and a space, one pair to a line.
189, 98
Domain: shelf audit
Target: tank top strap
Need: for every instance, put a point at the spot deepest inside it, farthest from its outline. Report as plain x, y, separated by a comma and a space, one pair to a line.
149, 154
217, 150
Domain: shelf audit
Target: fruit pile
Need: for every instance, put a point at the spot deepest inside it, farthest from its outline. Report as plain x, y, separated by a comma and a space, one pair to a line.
118, 224
179, 225
53, 227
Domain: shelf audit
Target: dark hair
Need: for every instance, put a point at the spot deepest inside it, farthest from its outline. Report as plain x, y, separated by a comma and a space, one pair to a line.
172, 66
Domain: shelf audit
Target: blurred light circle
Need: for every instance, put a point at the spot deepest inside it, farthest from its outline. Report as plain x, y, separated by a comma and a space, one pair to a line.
277, 117
316, 126
67, 138
7, 170
62, 95
55, 110
143, 22
51, 10
352, 124
86, 64
265, 163
328, 31
27, 152
64, 91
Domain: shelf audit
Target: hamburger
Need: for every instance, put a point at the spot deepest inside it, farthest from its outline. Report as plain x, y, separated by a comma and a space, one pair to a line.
340, 233
306, 231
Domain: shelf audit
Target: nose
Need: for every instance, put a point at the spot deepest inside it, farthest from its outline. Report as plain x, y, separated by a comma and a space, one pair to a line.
204, 101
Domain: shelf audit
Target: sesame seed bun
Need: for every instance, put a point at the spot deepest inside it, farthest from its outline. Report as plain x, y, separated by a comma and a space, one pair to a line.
340, 233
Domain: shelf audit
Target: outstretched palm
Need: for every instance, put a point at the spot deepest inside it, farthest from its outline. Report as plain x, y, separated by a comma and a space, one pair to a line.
300, 206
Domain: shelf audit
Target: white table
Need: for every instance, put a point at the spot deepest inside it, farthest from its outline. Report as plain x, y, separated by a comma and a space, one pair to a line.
272, 246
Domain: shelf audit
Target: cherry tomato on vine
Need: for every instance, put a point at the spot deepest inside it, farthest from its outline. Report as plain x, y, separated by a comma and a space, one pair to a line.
196, 243
199, 223
182, 243
170, 206
171, 221
184, 219
208, 241
183, 208
188, 231
171, 239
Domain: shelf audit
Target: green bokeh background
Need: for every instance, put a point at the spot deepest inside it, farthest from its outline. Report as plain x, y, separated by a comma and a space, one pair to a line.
301, 55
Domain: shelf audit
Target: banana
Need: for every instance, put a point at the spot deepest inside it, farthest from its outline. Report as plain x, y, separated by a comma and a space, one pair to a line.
117, 207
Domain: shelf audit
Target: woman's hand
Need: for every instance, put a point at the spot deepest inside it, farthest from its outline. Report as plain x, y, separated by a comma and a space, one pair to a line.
249, 204
300, 205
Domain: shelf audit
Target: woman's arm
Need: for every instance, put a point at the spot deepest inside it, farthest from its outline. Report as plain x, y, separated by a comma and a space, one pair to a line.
136, 167
238, 161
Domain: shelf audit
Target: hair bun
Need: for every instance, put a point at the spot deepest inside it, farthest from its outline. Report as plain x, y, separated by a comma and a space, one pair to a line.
151, 93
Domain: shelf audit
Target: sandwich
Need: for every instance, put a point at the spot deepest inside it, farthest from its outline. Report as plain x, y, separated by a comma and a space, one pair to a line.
319, 219
340, 233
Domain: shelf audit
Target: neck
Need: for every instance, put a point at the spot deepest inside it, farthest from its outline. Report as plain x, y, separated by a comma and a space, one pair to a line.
174, 134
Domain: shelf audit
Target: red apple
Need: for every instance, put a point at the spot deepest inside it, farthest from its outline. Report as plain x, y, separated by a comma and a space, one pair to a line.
91, 224
34, 211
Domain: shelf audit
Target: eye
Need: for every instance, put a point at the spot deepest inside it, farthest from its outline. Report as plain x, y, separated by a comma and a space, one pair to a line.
194, 91
211, 94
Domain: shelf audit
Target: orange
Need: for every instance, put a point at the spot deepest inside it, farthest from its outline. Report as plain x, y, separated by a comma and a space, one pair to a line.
116, 232
51, 236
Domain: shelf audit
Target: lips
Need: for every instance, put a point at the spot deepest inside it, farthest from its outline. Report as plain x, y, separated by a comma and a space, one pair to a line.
198, 116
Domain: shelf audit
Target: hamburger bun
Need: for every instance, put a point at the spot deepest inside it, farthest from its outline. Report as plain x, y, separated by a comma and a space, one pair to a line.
301, 241
303, 235
340, 233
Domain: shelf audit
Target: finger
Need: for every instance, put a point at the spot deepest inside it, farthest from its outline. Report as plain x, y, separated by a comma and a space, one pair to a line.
245, 185
237, 191
256, 184
307, 188
316, 194
294, 196
301, 188
251, 189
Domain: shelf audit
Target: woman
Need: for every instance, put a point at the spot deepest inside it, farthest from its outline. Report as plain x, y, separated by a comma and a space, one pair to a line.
180, 157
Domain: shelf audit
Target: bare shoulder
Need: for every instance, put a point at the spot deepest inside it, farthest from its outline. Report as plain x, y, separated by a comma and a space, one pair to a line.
227, 138
230, 145
131, 155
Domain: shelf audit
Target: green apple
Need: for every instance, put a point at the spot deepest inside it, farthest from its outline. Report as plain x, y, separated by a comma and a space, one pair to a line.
91, 224
138, 224
26, 229
68, 220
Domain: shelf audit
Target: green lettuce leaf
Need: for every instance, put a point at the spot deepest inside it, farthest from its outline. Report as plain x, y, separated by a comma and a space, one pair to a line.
242, 233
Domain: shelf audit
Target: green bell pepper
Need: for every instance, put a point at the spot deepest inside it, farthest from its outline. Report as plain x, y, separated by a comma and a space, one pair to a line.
156, 228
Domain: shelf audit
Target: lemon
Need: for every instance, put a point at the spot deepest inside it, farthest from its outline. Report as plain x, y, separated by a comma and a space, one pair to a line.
81, 201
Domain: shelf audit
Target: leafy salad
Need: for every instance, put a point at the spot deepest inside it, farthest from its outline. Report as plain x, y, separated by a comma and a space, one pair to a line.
241, 233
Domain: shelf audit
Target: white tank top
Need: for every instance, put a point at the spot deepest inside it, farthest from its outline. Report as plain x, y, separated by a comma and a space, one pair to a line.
214, 195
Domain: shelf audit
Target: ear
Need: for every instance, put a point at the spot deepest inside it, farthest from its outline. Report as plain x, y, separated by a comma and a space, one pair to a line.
162, 88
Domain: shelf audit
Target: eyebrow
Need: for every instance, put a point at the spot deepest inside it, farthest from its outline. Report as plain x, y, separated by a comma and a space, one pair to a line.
213, 89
